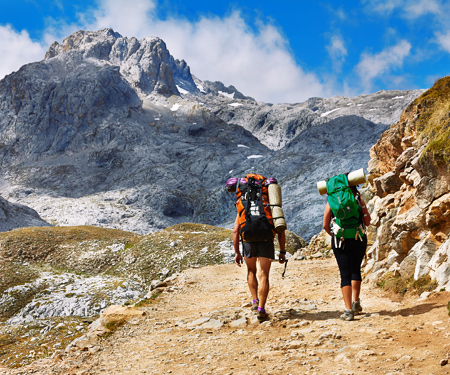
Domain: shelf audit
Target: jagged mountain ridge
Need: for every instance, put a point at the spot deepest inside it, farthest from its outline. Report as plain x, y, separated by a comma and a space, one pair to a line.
115, 132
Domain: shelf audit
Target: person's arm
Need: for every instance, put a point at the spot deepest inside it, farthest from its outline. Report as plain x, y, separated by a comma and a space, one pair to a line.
327, 219
282, 243
365, 211
237, 257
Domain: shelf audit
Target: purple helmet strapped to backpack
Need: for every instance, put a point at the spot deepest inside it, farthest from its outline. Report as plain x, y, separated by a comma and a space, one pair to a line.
270, 181
232, 183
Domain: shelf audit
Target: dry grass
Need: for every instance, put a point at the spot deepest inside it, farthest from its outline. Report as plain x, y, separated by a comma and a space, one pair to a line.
174, 249
433, 124
19, 345
37, 243
398, 285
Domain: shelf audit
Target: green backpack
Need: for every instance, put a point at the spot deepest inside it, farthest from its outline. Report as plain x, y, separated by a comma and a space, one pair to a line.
347, 213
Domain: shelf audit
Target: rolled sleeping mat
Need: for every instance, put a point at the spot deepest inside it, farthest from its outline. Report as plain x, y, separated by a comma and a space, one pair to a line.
322, 187
279, 221
356, 177
275, 198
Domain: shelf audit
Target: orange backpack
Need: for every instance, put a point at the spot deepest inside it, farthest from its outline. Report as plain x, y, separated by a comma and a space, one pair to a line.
255, 216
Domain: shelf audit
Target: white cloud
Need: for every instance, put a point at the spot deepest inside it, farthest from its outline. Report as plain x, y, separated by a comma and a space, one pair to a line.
17, 49
337, 51
382, 6
411, 9
419, 8
443, 40
375, 66
130, 20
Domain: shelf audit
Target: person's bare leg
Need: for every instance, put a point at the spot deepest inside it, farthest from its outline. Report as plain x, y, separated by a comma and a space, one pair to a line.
251, 276
264, 286
356, 289
347, 294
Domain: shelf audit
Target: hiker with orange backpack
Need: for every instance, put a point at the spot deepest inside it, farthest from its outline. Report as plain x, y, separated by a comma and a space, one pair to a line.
254, 226
345, 219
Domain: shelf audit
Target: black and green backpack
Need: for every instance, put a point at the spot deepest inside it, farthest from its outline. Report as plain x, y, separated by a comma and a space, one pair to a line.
347, 213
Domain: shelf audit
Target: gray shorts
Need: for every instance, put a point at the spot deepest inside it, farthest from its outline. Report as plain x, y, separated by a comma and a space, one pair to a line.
259, 249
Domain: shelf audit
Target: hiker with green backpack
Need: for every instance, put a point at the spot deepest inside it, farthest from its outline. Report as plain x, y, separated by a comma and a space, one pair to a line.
345, 219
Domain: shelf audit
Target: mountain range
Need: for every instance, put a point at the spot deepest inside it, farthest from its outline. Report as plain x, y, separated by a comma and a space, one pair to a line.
115, 132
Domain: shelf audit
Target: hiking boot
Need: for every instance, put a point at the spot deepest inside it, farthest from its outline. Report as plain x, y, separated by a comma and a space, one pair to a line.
347, 315
255, 305
356, 307
262, 316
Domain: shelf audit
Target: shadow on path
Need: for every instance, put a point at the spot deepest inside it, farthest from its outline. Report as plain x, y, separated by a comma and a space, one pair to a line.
323, 315
415, 310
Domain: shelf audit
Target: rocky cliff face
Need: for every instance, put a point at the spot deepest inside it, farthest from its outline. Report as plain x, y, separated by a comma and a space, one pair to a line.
14, 216
409, 175
115, 132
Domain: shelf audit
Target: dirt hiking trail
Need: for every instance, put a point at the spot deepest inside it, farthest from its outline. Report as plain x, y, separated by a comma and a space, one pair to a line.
202, 324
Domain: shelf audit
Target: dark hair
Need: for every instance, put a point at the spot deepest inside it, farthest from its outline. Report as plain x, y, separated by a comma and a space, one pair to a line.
355, 192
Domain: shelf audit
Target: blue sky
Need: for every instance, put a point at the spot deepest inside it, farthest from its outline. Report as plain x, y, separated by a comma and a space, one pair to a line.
274, 51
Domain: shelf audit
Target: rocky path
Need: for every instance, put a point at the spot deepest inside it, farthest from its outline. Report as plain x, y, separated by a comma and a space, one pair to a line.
203, 325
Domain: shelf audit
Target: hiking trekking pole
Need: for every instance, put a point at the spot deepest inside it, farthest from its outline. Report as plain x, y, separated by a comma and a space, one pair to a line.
285, 265
284, 270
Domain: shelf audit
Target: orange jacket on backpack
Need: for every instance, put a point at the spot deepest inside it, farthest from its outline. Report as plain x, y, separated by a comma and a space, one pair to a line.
265, 198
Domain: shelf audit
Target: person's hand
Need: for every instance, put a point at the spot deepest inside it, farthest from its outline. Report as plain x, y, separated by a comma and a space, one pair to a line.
282, 257
238, 259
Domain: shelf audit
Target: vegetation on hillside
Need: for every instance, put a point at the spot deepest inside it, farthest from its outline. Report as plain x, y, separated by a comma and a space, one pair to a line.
53, 244
395, 283
433, 123
160, 254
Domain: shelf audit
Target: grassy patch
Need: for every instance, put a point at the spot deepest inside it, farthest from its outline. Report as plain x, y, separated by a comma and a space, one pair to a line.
13, 274
174, 249
393, 283
22, 344
148, 301
423, 284
433, 123
115, 325
37, 243
84, 250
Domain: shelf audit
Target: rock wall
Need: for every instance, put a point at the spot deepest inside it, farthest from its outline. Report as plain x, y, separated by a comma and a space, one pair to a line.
409, 175
17, 216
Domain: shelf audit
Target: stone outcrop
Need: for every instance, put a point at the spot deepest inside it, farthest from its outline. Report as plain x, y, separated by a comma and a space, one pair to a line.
14, 216
409, 175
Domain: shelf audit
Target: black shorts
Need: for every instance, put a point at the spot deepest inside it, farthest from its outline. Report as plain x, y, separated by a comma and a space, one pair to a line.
259, 249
